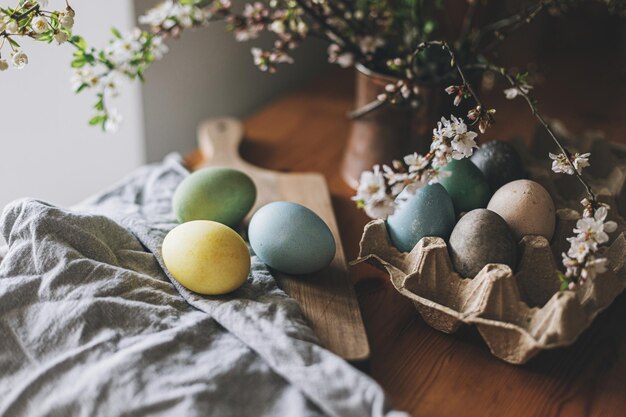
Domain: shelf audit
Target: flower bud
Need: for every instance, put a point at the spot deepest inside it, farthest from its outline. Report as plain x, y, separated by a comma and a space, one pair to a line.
20, 59
67, 21
60, 37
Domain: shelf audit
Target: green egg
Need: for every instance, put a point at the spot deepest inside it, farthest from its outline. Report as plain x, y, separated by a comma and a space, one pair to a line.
466, 185
222, 195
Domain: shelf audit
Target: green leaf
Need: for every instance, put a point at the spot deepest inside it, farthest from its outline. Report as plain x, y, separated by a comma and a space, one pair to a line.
429, 27
79, 42
78, 63
81, 88
97, 119
100, 104
116, 33
13, 43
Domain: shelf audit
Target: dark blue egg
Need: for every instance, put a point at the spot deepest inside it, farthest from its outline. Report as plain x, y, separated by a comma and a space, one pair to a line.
499, 162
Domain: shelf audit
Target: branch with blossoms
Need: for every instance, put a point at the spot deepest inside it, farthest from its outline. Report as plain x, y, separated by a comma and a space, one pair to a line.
379, 190
30, 19
580, 261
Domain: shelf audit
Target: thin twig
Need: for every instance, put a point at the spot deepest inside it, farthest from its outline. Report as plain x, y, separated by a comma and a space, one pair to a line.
366, 109
453, 62
542, 121
311, 12
467, 22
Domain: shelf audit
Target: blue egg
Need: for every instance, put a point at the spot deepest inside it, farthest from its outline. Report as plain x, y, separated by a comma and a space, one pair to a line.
429, 212
291, 238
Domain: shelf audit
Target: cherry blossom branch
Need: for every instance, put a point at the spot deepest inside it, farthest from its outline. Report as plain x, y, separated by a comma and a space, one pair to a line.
510, 24
521, 91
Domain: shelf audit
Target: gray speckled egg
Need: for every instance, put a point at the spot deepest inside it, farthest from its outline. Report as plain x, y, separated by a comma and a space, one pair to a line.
429, 212
526, 207
481, 237
291, 238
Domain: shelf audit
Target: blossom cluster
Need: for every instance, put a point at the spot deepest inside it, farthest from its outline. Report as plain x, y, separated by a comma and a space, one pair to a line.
30, 20
379, 189
581, 261
571, 164
101, 71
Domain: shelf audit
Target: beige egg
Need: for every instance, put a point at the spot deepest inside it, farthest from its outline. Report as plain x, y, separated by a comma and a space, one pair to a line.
527, 208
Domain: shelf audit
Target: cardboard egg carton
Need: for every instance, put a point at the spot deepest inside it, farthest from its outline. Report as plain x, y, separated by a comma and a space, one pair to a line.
521, 312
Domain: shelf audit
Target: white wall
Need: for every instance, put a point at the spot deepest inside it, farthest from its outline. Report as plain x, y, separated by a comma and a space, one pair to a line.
206, 74
47, 149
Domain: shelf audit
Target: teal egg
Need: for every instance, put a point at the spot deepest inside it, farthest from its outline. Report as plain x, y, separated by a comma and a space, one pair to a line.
291, 238
223, 195
429, 212
467, 186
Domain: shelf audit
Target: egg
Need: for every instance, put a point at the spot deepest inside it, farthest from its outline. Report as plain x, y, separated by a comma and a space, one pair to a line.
291, 238
466, 185
429, 212
527, 208
499, 162
206, 257
224, 195
481, 237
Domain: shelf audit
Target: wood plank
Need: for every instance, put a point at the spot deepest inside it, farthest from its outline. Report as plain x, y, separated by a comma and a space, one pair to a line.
426, 372
327, 297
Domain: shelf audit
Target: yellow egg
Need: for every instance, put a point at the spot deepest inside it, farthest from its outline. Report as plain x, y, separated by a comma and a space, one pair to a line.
206, 257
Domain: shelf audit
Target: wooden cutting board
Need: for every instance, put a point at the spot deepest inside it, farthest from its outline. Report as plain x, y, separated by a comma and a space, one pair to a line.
327, 298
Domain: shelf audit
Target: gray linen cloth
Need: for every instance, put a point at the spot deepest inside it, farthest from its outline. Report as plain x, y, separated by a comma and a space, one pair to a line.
91, 325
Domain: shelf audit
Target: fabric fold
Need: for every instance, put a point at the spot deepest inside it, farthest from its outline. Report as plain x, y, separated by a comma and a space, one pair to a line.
85, 297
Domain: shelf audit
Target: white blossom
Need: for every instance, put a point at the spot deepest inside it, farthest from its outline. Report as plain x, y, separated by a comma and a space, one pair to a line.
67, 21
463, 145
114, 118
11, 27
278, 26
169, 13
337, 56
157, 15
159, 49
380, 208
61, 37
109, 84
84, 76
560, 164
579, 249
369, 44
453, 132
513, 92
433, 175
372, 194
20, 59
40, 25
595, 228
580, 261
581, 161
121, 51
592, 268
416, 162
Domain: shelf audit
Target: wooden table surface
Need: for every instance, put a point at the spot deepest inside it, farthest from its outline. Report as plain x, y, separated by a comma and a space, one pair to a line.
426, 372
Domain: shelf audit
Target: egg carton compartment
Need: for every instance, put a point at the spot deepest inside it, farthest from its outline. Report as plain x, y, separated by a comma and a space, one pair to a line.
521, 312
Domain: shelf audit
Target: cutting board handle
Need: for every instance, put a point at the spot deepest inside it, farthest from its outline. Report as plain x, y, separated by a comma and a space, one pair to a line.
327, 297
219, 140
